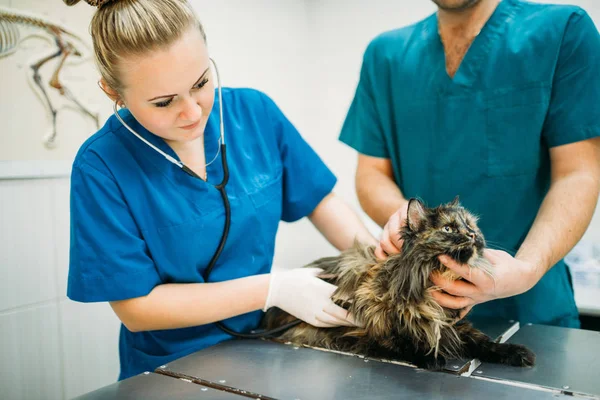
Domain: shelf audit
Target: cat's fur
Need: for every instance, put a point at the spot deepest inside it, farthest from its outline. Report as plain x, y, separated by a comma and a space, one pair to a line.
393, 301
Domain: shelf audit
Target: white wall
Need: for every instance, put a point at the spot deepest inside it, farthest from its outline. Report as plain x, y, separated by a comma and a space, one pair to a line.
305, 54
53, 348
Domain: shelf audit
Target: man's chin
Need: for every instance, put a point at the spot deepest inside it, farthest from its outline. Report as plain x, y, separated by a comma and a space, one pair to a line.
455, 5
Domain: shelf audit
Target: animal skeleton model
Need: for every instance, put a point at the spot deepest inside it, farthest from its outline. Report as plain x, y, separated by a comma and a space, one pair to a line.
67, 43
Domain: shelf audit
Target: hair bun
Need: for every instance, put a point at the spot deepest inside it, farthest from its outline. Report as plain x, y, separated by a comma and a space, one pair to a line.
95, 3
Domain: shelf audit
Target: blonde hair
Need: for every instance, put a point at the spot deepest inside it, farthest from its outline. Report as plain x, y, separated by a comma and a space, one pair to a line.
124, 28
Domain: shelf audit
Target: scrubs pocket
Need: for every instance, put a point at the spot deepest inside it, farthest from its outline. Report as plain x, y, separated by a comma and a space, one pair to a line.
267, 193
514, 122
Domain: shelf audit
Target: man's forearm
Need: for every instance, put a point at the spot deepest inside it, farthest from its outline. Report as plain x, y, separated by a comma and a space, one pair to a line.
378, 194
561, 221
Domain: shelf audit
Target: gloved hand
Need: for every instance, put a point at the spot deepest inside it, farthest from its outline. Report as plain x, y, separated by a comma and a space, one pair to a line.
300, 293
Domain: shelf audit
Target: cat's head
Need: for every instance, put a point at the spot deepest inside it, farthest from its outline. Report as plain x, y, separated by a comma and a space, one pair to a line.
447, 229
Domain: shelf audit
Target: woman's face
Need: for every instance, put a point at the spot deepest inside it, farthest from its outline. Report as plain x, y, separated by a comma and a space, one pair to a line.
171, 91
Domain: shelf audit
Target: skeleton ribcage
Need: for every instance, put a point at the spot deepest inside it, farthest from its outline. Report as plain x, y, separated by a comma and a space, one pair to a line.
9, 36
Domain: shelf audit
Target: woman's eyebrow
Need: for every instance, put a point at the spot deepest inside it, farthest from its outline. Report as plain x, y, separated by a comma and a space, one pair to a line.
173, 95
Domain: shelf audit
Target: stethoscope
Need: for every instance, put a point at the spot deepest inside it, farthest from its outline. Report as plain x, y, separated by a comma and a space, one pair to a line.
221, 188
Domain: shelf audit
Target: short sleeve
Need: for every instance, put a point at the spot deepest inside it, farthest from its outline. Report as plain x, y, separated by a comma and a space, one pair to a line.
573, 113
108, 258
362, 127
306, 178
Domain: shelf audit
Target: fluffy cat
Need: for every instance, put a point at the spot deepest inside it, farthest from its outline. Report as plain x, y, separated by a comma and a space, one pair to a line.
392, 298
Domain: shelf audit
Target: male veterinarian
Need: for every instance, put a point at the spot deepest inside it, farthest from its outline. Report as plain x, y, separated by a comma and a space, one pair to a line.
497, 102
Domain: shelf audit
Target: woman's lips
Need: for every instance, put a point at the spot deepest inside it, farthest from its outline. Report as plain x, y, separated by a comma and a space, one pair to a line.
191, 126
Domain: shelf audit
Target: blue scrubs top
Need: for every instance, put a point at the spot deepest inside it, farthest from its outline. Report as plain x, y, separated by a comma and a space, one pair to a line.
138, 221
530, 81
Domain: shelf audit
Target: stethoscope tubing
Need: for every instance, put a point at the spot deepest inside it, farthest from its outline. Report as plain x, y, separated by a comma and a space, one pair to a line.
227, 206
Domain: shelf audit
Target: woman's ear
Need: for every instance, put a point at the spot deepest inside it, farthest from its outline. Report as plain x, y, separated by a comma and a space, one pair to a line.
110, 92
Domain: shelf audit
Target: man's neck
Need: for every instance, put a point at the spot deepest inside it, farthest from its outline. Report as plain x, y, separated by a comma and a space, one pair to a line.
465, 23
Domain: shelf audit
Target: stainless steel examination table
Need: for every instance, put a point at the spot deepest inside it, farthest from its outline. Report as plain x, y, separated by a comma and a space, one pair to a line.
567, 366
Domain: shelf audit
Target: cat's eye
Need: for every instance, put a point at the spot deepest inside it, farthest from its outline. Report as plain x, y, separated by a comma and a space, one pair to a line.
448, 229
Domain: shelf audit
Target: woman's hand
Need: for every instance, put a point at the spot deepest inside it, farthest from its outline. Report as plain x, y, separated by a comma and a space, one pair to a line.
300, 293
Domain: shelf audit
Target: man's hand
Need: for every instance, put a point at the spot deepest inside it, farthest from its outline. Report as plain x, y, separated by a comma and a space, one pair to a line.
390, 242
511, 277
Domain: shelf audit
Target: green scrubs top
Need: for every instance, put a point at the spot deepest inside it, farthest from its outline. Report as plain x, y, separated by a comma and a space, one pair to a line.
530, 81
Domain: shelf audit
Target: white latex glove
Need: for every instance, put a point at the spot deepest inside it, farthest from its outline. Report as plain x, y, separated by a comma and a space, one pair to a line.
299, 292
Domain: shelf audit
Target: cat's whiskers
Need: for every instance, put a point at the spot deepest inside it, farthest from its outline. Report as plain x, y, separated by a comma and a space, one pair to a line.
484, 265
497, 246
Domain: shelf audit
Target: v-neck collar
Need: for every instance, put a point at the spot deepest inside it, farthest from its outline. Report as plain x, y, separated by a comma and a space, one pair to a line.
467, 71
173, 172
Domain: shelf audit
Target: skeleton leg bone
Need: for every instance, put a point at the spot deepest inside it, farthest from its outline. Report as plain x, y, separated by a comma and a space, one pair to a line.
38, 81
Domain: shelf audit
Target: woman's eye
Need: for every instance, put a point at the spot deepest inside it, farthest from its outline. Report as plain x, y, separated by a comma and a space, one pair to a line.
164, 103
201, 83
447, 229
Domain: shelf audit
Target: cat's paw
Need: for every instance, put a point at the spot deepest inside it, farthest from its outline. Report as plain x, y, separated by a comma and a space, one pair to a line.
519, 356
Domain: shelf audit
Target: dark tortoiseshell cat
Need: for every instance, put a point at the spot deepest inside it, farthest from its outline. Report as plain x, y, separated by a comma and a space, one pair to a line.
392, 298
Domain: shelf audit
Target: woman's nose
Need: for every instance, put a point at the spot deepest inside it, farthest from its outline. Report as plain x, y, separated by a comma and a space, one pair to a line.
191, 111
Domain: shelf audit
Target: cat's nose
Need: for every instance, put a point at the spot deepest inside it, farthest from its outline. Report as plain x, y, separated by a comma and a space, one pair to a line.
471, 235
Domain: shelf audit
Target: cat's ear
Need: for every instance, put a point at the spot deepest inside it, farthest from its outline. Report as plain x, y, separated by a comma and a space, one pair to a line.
455, 202
416, 214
